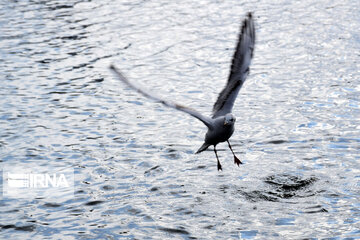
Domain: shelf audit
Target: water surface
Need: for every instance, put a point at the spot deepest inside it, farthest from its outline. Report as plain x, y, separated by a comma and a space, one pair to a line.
136, 175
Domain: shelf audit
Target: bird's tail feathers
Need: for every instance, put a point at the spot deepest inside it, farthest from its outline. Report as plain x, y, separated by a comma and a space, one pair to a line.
203, 148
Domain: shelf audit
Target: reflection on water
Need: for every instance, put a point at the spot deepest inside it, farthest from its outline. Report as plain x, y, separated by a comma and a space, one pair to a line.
136, 175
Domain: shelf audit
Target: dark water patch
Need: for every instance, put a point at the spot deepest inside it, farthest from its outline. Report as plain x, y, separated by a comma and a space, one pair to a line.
315, 209
289, 182
7, 226
184, 211
81, 65
107, 187
224, 188
277, 142
201, 166
153, 171
57, 7
58, 92
73, 37
40, 126
278, 187
171, 154
44, 61
179, 230
97, 80
154, 189
92, 203
209, 227
257, 195
93, 138
62, 83
77, 212
180, 193
90, 63
103, 57
287, 186
52, 205
25, 228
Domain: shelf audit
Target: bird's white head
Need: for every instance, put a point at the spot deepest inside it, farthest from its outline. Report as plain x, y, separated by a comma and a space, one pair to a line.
229, 119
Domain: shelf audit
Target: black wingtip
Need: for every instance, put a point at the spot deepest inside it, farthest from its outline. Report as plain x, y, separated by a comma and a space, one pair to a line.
246, 21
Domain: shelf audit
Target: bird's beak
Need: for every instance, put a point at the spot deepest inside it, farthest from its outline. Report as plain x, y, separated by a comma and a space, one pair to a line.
225, 123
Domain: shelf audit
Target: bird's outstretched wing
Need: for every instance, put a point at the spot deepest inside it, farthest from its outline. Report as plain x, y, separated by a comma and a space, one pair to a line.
206, 120
239, 68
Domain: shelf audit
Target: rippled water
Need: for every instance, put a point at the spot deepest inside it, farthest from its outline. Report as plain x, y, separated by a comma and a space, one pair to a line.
136, 175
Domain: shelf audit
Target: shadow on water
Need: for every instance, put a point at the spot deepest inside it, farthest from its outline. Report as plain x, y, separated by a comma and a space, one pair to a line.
282, 186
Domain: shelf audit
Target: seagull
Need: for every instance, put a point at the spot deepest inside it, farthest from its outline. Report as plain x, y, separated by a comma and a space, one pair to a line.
221, 124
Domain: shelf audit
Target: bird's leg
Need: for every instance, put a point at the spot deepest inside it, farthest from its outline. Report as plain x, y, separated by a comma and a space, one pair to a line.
218, 162
236, 160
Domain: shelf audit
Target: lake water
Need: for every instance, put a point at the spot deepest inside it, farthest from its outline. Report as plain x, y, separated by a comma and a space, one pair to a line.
136, 174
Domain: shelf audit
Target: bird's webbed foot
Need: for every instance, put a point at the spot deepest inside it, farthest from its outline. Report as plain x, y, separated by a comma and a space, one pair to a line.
237, 161
219, 167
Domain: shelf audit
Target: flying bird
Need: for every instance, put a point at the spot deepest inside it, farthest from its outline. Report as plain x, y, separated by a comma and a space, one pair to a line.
221, 124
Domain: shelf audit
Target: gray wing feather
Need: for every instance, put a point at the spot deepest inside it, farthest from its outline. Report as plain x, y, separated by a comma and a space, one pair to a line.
206, 120
239, 68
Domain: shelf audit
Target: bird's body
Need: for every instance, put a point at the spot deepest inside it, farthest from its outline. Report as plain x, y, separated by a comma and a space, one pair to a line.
221, 125
219, 133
